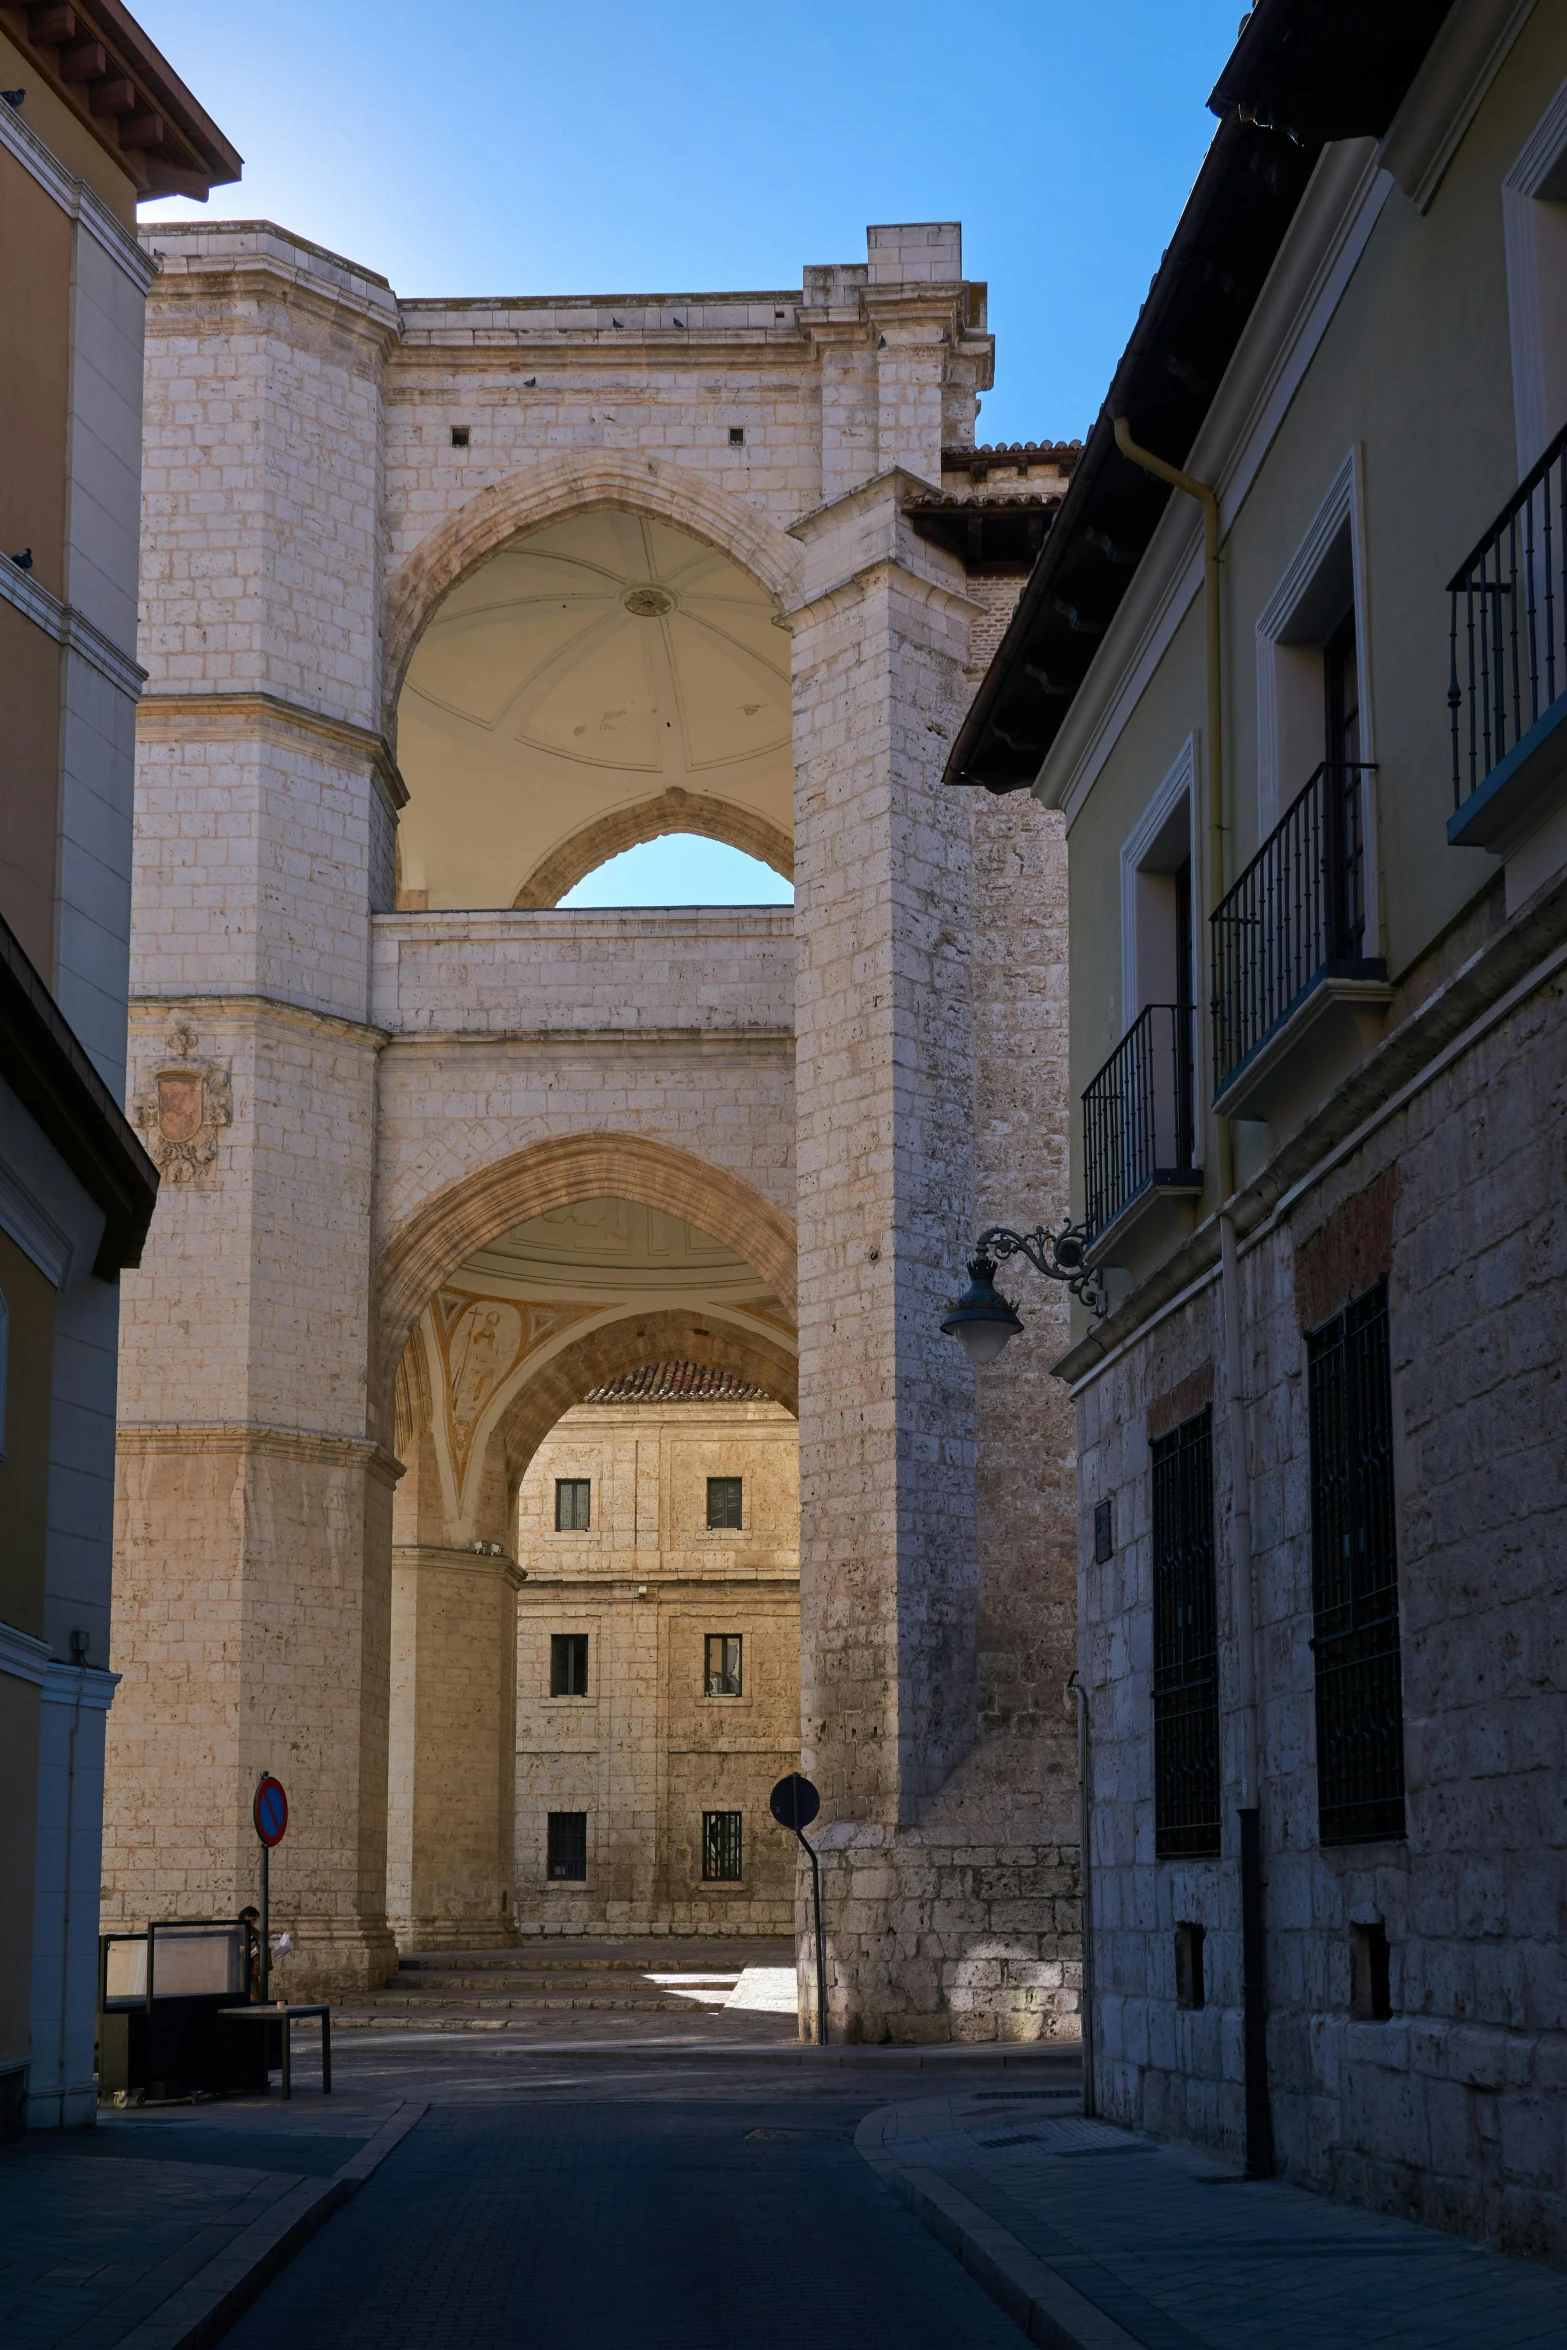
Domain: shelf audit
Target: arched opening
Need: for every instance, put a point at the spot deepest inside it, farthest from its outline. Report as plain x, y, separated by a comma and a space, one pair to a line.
608, 678
595, 1630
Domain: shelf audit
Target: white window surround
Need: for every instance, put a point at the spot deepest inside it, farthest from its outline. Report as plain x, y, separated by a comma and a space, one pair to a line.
1534, 227
1327, 572
1155, 847
28, 1222
5, 1351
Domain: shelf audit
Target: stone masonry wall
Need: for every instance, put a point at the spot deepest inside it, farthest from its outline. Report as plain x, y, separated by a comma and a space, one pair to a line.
1452, 2111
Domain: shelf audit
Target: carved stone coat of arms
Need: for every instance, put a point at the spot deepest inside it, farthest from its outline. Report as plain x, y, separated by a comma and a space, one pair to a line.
182, 1108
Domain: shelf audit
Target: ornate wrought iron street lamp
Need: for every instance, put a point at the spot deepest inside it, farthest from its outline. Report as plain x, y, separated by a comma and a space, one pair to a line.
982, 1320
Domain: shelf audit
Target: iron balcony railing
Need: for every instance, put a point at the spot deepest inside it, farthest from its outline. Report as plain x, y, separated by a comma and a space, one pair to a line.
1137, 1114
1508, 657
1296, 915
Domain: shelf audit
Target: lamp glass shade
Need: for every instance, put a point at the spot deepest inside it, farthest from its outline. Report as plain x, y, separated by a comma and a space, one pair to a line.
982, 1320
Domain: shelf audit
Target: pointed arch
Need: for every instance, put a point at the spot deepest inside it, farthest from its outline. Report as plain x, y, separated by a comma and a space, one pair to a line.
582, 852
574, 484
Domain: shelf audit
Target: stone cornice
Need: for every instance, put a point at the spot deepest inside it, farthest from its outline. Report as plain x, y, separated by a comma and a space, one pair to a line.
162, 1437
79, 1685
23, 1657
65, 624
147, 1004
457, 1559
862, 535
228, 259
174, 717
620, 1042
76, 198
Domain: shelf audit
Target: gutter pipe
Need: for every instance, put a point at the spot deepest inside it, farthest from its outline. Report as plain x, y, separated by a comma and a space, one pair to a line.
1075, 1689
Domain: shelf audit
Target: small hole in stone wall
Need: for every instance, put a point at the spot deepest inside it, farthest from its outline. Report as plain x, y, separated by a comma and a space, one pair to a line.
737, 436
1104, 1532
1370, 1974
459, 436
1189, 1987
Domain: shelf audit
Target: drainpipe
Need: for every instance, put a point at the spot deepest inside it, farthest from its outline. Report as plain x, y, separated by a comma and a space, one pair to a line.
1075, 1689
62, 2070
1254, 1979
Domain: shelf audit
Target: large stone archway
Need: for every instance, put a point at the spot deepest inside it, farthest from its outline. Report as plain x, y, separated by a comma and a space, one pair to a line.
375, 1074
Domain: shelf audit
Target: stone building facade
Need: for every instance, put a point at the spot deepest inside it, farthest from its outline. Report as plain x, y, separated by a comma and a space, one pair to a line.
443, 602
1322, 1493
674, 1705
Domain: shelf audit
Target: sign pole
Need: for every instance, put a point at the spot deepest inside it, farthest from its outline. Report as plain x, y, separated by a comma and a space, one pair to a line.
269, 1810
794, 1803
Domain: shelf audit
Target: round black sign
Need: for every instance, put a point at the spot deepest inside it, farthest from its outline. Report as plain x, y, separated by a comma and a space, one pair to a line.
794, 1802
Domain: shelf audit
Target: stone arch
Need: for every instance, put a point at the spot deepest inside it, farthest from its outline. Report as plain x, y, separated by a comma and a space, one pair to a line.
676, 1334
583, 851
470, 1212
575, 484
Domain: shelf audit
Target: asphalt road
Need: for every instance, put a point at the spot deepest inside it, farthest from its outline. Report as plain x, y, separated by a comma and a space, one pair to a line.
586, 2204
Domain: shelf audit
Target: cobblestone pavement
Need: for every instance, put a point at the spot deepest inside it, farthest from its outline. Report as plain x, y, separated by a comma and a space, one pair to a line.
1184, 2255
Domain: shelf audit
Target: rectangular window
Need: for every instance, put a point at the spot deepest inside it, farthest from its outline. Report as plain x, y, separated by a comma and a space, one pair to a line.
573, 1504
723, 1502
721, 1847
568, 1846
1185, 1644
1354, 1572
723, 1664
568, 1664
1104, 1533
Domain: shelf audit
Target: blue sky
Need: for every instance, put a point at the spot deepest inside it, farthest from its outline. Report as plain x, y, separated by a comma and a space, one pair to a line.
621, 149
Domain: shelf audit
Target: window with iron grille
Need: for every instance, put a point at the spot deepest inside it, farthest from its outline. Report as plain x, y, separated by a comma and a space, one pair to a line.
568, 1664
721, 1847
573, 1502
567, 1846
1354, 1570
723, 1502
723, 1664
1185, 1643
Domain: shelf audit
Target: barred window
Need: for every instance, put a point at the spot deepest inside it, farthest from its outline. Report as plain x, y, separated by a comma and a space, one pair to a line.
1185, 1644
721, 1847
1354, 1570
573, 1500
723, 1664
567, 1846
723, 1502
568, 1664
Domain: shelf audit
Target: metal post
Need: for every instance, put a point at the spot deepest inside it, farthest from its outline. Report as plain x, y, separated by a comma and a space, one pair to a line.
1254, 1998
266, 1921
821, 1945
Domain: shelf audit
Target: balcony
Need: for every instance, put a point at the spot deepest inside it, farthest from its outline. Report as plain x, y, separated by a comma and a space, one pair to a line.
1141, 1185
1508, 675
1296, 1001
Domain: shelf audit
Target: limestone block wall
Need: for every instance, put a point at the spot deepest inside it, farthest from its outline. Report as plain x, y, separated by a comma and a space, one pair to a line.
647, 1751
707, 969
1450, 2112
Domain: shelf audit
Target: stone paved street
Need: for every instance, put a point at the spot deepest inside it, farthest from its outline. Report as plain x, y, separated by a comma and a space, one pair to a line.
768, 2196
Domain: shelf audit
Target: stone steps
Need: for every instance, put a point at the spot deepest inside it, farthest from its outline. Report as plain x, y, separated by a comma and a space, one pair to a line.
494, 1990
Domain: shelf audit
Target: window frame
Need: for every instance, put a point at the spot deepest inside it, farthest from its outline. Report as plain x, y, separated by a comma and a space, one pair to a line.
576, 1644
1184, 1679
574, 1485
1369, 1644
721, 1845
725, 1525
726, 1696
552, 1876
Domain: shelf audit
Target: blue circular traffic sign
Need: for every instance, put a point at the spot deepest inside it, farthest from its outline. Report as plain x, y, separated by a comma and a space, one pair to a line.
794, 1802
271, 1811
